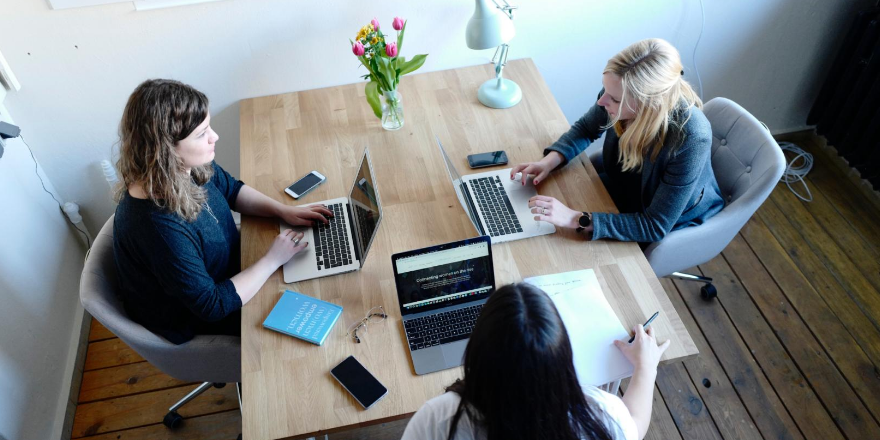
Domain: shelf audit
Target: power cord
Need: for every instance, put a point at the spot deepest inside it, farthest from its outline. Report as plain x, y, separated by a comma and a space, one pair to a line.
694, 56
795, 172
37, 172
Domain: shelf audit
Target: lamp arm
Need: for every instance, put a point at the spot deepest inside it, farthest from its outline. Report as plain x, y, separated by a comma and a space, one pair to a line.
507, 8
499, 66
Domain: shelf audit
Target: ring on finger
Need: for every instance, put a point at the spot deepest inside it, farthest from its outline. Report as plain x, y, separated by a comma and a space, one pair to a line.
296, 241
543, 210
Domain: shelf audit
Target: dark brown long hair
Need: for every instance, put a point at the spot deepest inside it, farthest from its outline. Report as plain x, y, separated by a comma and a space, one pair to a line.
519, 378
160, 113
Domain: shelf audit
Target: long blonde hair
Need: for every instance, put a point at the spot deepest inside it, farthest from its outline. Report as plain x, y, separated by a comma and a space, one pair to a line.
650, 73
160, 113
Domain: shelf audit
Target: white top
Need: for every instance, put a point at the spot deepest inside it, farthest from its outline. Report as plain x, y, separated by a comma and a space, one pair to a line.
433, 419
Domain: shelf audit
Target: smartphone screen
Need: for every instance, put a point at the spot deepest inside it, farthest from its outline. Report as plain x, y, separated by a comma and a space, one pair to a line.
359, 382
487, 159
302, 186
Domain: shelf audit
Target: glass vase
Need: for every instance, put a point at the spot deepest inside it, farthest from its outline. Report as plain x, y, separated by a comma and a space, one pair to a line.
392, 110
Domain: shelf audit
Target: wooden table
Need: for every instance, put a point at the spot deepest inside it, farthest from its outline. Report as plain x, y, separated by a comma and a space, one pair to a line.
288, 391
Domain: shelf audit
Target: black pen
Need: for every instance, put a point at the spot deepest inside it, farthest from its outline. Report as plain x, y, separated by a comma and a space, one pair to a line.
645, 326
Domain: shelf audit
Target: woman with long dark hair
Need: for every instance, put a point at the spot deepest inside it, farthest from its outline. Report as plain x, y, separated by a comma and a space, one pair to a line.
520, 383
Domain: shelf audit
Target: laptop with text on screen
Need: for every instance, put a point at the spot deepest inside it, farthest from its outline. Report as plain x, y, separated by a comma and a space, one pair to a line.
497, 206
341, 245
441, 290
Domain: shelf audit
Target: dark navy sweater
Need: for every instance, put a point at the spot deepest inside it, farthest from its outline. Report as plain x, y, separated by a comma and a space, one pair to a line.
174, 274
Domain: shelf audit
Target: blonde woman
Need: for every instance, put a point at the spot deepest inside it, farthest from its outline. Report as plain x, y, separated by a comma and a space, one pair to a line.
176, 245
656, 157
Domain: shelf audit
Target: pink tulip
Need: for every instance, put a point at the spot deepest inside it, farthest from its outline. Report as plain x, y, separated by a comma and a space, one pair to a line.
397, 24
357, 48
375, 24
391, 49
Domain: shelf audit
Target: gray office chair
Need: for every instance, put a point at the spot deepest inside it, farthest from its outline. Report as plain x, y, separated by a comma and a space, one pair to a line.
747, 163
214, 360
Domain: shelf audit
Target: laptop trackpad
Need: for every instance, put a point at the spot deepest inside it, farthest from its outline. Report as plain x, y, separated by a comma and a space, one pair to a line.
428, 360
454, 353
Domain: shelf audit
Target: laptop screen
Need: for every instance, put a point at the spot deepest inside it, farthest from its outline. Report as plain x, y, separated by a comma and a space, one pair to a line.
460, 189
365, 208
444, 275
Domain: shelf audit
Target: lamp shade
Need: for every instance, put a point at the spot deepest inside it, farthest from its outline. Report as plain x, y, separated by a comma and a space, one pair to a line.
488, 27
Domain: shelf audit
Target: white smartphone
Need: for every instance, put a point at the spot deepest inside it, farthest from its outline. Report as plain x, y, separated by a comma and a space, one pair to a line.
305, 184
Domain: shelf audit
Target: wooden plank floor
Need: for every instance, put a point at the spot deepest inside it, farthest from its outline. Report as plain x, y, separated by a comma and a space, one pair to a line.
789, 350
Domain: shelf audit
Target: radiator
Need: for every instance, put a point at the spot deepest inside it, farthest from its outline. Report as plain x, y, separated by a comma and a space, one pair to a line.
847, 110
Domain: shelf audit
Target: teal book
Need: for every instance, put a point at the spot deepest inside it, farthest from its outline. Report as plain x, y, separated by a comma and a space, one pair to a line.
303, 317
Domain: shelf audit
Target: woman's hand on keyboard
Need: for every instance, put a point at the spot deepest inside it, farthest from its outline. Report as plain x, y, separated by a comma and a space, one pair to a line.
285, 246
551, 210
297, 216
540, 169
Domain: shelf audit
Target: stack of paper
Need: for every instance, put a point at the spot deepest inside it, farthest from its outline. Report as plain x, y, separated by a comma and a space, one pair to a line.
591, 324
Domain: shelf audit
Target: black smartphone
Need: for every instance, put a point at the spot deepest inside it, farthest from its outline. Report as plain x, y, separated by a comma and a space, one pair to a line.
365, 388
481, 160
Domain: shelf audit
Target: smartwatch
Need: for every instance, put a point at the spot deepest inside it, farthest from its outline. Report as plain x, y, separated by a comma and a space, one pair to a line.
584, 221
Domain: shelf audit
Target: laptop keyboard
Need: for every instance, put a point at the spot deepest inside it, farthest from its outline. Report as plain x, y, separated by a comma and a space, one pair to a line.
441, 328
495, 205
331, 240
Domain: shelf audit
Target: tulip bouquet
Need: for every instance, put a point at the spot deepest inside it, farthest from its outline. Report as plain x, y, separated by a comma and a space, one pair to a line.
385, 67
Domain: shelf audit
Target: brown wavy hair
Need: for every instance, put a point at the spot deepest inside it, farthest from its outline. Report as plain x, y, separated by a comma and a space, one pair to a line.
159, 114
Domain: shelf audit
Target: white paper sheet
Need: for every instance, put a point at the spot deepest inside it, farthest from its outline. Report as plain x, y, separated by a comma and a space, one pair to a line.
591, 324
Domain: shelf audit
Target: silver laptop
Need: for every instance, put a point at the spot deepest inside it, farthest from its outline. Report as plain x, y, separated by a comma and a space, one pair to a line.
342, 245
497, 206
441, 290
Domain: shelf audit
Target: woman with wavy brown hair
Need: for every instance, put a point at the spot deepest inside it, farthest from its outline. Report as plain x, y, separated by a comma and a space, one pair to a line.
656, 160
176, 244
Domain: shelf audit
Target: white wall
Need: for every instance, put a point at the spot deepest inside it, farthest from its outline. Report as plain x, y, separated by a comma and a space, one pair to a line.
78, 66
40, 263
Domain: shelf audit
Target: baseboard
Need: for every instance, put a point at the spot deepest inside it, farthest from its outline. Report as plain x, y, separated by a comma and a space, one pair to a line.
74, 373
790, 130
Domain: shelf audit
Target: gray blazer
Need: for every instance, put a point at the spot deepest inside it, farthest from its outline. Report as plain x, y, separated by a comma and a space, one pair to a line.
678, 189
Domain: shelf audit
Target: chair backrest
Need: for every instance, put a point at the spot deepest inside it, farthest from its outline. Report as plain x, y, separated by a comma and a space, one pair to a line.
210, 358
745, 157
747, 163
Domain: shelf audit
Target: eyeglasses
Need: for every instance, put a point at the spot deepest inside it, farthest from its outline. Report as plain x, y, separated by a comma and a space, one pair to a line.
376, 314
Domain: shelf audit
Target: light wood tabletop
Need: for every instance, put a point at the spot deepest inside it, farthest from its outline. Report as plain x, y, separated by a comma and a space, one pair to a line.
288, 391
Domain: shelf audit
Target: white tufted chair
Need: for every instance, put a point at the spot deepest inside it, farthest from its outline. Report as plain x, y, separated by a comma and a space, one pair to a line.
747, 163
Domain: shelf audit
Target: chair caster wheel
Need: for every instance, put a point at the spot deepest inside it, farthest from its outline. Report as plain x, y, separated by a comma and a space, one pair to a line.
219, 385
708, 292
172, 420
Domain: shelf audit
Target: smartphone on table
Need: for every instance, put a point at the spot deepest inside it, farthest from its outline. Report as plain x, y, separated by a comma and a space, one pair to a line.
490, 159
362, 385
305, 184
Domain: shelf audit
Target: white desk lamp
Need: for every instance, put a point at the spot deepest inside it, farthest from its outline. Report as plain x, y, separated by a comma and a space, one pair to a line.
492, 26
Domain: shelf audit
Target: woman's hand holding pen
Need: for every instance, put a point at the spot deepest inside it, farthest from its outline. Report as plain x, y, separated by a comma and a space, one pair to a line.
643, 353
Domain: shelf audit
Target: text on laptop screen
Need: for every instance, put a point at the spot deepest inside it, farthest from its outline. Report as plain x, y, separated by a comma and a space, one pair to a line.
444, 277
364, 208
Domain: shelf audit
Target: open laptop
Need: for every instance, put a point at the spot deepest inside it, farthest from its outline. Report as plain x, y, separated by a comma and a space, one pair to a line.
441, 290
497, 206
342, 245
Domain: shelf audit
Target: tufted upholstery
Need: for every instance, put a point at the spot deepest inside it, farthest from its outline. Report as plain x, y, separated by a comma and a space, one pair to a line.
747, 163
203, 359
